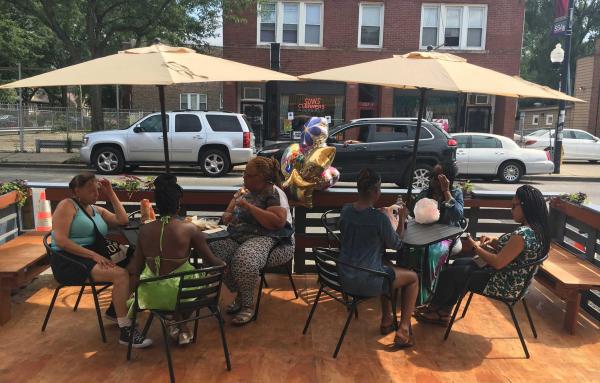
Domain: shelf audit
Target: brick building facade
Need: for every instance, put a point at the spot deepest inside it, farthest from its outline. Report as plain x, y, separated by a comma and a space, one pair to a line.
321, 35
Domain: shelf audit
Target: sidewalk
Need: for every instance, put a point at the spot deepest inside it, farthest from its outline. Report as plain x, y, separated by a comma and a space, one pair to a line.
570, 171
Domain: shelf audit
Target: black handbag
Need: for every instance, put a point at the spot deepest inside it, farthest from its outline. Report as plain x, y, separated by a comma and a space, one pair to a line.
107, 248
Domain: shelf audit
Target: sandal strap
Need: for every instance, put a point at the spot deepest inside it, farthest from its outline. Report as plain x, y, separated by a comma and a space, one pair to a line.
244, 316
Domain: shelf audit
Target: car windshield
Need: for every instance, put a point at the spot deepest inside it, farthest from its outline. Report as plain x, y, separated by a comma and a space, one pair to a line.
538, 133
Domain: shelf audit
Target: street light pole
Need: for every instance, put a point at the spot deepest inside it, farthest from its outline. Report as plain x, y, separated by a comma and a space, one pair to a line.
564, 86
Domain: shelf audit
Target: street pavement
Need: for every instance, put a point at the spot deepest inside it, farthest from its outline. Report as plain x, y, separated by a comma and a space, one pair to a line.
587, 182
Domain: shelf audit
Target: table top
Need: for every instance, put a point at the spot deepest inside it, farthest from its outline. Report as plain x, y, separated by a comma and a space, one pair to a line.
419, 235
132, 230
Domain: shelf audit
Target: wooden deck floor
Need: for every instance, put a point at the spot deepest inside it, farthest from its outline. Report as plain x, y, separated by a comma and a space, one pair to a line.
482, 348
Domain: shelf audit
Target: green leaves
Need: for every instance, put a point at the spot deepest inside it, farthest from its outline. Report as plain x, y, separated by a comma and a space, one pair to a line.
20, 186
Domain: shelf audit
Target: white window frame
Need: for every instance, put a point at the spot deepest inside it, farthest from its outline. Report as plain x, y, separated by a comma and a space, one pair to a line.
550, 117
301, 23
535, 119
464, 27
381, 20
188, 97
255, 88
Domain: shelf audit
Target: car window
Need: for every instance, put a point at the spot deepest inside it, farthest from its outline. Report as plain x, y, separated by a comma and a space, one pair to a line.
484, 142
462, 141
187, 123
538, 133
567, 134
582, 135
390, 132
153, 124
354, 133
424, 134
224, 123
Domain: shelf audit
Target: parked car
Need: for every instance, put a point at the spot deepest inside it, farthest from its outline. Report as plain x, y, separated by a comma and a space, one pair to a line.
577, 144
385, 145
491, 156
8, 121
216, 141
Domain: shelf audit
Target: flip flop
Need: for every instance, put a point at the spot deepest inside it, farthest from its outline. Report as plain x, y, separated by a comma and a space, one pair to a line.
440, 319
245, 316
404, 343
233, 308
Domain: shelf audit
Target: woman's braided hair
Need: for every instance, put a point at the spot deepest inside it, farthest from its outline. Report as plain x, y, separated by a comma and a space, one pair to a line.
167, 194
268, 169
535, 211
367, 180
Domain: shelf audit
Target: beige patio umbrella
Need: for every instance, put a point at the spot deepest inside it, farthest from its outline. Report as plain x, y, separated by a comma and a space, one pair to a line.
157, 64
435, 71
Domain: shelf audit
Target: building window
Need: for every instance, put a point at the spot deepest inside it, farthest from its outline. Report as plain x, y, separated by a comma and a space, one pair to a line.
453, 27
370, 25
193, 101
290, 23
549, 119
268, 22
535, 120
252, 93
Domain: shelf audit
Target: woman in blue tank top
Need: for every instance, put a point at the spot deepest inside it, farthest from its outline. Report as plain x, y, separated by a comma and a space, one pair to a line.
73, 230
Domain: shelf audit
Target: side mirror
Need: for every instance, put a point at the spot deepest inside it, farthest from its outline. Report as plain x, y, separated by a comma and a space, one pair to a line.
138, 129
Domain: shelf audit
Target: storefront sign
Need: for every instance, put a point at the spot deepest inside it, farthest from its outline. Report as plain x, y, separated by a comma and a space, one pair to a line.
311, 104
441, 122
290, 116
296, 135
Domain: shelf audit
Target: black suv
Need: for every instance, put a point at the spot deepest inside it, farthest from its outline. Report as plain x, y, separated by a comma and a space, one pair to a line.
384, 145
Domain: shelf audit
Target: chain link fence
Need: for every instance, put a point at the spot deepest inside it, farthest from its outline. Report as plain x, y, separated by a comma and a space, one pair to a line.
54, 123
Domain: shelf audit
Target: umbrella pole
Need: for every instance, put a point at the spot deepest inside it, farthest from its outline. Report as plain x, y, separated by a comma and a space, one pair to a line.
165, 128
413, 160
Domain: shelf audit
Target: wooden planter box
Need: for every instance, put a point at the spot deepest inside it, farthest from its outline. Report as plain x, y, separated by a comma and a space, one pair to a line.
8, 199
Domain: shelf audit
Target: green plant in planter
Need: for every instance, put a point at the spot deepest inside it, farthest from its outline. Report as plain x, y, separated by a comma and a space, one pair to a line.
20, 186
576, 198
132, 184
467, 187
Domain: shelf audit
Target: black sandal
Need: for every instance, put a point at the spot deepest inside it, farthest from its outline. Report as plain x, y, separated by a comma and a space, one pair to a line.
404, 343
441, 318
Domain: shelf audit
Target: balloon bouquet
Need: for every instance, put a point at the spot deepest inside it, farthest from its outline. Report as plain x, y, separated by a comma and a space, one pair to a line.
307, 165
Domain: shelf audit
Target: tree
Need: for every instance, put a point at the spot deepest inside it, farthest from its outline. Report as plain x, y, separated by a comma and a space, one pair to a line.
89, 29
537, 42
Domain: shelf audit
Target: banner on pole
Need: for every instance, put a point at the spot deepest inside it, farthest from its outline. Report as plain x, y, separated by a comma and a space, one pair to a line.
561, 13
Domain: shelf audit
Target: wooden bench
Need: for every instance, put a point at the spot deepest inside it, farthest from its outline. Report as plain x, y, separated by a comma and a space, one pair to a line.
21, 259
55, 144
568, 276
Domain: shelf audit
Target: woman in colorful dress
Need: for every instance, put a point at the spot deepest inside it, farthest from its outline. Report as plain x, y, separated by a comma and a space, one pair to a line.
529, 242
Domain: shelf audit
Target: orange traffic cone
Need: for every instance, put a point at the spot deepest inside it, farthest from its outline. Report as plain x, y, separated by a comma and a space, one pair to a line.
579, 246
43, 221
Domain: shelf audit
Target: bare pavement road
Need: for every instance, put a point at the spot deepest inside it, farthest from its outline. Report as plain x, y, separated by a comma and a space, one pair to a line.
191, 177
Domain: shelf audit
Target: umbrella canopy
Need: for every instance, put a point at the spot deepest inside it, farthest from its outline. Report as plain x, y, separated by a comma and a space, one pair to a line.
439, 71
157, 64
435, 71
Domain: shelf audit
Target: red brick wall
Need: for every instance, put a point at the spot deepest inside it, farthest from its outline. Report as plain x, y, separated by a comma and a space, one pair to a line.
146, 97
352, 101
401, 34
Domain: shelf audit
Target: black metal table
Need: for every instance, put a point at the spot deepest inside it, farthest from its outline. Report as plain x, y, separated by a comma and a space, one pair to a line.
422, 236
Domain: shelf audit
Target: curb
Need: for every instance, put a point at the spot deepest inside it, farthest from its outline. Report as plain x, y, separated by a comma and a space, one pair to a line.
42, 165
561, 178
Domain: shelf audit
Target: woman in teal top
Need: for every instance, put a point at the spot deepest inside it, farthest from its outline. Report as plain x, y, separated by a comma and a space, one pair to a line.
163, 248
73, 230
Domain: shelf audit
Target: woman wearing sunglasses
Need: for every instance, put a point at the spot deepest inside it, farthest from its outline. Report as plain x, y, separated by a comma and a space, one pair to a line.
529, 242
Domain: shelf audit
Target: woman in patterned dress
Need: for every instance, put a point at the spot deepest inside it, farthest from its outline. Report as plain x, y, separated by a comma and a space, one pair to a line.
530, 241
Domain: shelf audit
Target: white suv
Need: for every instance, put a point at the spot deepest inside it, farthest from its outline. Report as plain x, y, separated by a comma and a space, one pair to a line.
214, 140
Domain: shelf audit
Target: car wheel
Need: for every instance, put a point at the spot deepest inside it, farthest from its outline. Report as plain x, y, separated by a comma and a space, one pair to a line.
510, 172
108, 160
214, 163
421, 176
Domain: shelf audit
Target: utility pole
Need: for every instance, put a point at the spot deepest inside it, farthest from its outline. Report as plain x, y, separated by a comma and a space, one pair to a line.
20, 118
565, 87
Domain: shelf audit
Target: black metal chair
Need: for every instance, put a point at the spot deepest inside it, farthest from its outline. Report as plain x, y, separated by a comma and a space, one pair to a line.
510, 302
327, 269
89, 282
268, 268
331, 222
202, 289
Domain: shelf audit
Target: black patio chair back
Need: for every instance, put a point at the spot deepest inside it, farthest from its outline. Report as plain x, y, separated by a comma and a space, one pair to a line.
329, 279
510, 301
198, 289
87, 281
331, 222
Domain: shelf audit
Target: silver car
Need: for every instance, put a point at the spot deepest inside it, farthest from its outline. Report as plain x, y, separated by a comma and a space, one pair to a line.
215, 141
491, 156
577, 144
